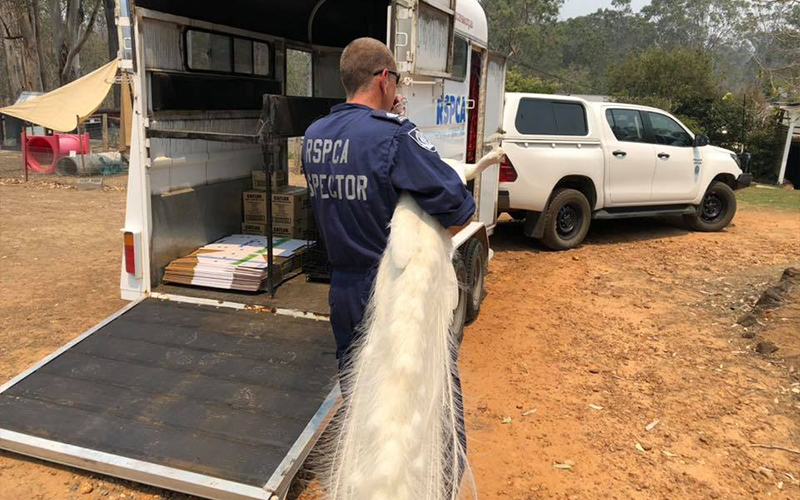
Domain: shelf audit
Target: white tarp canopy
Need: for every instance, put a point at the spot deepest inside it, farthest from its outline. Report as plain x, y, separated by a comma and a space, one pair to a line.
66, 107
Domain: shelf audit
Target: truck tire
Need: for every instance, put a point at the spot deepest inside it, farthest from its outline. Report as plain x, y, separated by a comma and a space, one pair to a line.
715, 211
460, 312
476, 273
567, 219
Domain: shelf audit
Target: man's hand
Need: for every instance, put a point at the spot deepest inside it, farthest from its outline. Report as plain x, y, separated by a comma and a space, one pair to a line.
454, 230
399, 106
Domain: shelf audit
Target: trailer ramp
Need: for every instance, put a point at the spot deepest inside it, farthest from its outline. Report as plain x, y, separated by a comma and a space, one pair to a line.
216, 402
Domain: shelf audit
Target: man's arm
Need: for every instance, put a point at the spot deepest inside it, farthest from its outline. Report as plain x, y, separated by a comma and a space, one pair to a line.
417, 169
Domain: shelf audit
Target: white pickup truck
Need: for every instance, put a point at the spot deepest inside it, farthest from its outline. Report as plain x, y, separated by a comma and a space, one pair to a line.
569, 160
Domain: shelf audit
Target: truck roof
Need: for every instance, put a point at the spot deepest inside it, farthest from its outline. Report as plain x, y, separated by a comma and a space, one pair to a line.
593, 104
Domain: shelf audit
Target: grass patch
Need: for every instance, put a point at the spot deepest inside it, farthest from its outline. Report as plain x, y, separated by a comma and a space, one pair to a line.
780, 199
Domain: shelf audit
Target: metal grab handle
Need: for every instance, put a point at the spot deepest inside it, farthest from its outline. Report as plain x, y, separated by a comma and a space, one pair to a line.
399, 34
663, 156
619, 153
470, 103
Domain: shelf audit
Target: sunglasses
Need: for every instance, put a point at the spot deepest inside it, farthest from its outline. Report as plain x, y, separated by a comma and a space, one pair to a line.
395, 73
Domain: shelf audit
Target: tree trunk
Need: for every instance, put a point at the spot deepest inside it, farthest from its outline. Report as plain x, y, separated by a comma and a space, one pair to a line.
20, 46
68, 39
37, 33
14, 68
111, 28
113, 40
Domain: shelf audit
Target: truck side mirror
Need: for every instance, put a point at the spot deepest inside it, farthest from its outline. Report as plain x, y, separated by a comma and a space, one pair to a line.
700, 140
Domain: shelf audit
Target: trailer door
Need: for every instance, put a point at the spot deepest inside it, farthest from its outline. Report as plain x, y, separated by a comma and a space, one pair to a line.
218, 402
493, 120
423, 36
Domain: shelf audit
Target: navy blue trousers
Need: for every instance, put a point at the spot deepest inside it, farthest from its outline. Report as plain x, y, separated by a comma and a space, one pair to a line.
348, 298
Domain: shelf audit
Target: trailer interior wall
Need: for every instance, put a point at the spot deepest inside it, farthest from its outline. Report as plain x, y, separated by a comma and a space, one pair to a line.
196, 185
335, 22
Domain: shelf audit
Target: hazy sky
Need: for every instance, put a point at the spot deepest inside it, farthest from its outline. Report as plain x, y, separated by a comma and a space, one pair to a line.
572, 8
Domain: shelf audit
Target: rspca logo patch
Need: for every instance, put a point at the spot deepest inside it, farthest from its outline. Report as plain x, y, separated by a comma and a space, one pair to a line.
421, 140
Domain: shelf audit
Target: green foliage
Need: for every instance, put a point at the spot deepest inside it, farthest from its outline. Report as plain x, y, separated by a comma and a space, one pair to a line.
598, 40
517, 26
683, 82
679, 78
774, 42
707, 24
764, 141
516, 81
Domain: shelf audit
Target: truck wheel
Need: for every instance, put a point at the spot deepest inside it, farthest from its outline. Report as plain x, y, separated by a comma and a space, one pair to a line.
476, 273
567, 219
460, 313
715, 211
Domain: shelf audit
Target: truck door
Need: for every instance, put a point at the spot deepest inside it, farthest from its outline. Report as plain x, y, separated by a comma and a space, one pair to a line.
677, 176
630, 159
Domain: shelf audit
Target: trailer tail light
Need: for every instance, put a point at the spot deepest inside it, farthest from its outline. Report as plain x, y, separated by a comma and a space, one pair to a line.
130, 246
507, 172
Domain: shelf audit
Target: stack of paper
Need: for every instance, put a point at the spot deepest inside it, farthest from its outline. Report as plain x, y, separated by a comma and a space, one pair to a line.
236, 262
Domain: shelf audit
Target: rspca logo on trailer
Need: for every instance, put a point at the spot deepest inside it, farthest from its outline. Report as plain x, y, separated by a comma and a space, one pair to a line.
451, 109
421, 140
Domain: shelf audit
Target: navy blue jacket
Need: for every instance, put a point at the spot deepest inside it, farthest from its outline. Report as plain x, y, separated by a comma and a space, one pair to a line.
357, 161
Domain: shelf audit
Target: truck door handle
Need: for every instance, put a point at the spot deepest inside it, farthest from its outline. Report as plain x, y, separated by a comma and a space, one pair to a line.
619, 153
663, 156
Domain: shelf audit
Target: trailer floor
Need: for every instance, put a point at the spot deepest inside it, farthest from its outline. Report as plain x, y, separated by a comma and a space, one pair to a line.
296, 293
217, 392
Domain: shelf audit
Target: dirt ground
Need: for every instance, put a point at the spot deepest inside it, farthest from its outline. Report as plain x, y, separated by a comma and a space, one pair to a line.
574, 357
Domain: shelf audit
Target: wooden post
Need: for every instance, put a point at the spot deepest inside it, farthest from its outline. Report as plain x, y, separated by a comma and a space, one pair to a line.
793, 120
24, 144
80, 141
105, 131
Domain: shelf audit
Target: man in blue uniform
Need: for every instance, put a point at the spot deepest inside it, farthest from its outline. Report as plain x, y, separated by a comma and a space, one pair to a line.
357, 160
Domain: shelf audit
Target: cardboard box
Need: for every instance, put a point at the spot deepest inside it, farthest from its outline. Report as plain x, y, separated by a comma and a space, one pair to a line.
299, 232
289, 205
255, 206
290, 231
280, 179
254, 228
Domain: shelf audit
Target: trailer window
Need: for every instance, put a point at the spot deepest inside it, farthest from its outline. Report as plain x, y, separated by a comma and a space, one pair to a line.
545, 117
261, 58
433, 43
242, 56
298, 73
460, 58
208, 51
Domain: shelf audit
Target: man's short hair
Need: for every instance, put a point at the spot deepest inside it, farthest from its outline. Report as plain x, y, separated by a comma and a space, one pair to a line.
360, 60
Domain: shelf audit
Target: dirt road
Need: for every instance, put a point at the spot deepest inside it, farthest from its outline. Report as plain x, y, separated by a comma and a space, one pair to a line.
574, 356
